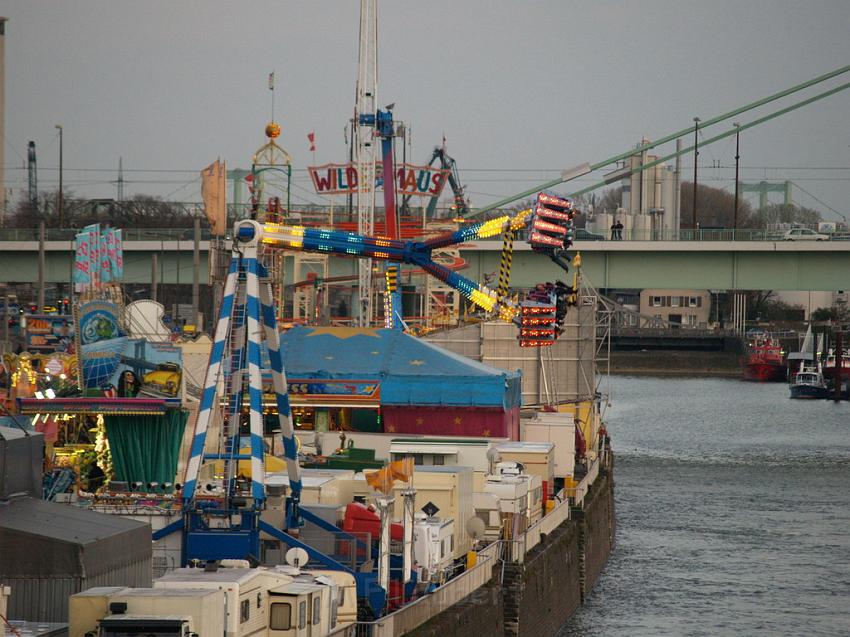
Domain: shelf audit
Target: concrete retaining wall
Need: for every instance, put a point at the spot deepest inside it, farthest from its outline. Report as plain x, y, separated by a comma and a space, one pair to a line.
479, 614
537, 597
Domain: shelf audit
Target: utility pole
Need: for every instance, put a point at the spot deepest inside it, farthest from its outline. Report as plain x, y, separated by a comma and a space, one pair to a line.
61, 204
677, 219
154, 276
32, 174
120, 193
196, 273
6, 326
696, 156
40, 267
737, 157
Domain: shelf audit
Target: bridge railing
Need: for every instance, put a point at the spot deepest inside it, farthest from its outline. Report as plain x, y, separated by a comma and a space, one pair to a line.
410, 227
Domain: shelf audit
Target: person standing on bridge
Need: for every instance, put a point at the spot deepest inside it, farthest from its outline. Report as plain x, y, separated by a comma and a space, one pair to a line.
614, 230
619, 227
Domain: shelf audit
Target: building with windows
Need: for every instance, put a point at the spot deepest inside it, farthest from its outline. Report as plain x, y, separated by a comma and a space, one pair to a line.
688, 308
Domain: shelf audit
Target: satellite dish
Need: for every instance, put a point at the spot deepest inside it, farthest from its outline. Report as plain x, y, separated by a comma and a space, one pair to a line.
296, 557
493, 455
475, 527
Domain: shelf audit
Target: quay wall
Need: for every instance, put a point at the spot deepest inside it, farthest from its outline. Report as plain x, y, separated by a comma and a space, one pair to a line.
542, 593
536, 597
477, 614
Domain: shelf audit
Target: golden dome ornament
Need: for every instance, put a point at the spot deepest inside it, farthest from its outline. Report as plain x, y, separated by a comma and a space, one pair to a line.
272, 130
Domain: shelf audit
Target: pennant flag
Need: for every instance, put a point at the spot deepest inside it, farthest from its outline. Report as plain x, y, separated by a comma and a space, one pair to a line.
311, 137
118, 261
107, 250
213, 192
271, 81
82, 260
93, 232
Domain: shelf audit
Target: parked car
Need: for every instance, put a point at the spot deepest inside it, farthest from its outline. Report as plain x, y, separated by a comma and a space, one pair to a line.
582, 234
804, 234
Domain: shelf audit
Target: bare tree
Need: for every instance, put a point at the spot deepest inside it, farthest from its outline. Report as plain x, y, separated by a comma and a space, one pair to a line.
786, 213
142, 211
715, 208
609, 200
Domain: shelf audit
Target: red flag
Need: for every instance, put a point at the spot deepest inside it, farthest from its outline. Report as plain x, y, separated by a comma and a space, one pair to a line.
311, 137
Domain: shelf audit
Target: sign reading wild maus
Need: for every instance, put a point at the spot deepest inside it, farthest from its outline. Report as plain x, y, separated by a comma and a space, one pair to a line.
341, 179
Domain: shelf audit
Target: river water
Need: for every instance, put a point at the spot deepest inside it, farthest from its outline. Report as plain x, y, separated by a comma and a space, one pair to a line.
733, 513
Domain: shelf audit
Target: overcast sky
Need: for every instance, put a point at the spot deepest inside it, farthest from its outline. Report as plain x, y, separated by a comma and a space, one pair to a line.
521, 89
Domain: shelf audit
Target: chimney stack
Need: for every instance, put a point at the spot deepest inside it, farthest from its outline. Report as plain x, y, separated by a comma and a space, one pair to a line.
2, 117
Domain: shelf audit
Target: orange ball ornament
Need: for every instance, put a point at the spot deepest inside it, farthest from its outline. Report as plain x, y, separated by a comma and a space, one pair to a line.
272, 130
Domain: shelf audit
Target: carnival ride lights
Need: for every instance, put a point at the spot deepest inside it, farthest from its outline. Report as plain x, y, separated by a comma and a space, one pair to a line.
226, 523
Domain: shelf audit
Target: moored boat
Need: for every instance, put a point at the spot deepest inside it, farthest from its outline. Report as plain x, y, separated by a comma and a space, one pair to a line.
809, 383
765, 359
833, 369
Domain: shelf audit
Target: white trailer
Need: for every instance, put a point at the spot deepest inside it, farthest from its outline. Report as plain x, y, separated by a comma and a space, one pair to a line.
227, 602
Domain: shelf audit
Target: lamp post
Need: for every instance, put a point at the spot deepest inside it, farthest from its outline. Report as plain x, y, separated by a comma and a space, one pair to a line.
61, 203
737, 157
696, 155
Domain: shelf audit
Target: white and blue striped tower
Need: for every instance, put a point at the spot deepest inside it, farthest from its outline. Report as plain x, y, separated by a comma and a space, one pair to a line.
246, 319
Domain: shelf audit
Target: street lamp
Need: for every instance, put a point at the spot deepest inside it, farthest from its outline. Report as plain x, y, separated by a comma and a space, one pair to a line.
737, 157
61, 202
696, 155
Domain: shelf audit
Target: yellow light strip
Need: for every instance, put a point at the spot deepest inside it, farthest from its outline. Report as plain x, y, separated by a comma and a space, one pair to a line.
492, 227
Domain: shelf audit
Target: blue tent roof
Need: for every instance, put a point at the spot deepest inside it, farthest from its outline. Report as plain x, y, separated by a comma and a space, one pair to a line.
411, 371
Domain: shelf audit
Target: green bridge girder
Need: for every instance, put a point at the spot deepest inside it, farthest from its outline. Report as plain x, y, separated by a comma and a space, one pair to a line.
722, 265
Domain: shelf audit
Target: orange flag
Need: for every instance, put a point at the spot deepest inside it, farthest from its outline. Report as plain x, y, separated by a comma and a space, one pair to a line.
380, 480
402, 469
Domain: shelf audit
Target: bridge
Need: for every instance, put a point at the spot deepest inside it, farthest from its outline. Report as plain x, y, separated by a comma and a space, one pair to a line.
749, 262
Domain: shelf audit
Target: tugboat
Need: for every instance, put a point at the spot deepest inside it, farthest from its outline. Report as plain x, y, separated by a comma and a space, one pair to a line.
765, 360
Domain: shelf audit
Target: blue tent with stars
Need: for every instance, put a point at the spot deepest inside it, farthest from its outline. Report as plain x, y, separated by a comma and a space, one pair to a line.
409, 371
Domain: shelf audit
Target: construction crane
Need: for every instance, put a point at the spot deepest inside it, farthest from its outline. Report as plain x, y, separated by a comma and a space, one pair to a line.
447, 163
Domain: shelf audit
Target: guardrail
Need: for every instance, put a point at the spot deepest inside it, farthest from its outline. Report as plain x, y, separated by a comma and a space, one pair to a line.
559, 514
429, 606
577, 493
411, 227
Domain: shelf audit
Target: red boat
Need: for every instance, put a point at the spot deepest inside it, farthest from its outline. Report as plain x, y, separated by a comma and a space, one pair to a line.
830, 369
765, 360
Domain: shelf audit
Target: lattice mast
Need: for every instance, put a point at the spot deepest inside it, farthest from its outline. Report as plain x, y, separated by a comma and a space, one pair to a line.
271, 176
365, 151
